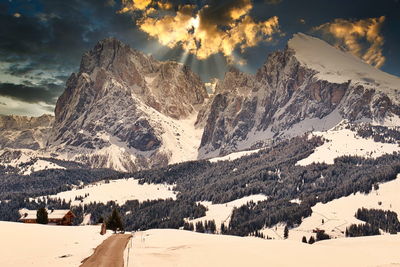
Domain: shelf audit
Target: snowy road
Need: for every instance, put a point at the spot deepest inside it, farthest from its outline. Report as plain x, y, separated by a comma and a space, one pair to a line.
109, 253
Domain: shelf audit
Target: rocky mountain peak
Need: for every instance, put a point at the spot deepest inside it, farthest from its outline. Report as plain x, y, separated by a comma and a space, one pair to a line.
308, 86
123, 103
115, 56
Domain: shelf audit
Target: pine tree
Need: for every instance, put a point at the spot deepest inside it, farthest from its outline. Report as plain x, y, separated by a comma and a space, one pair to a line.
199, 227
186, 226
321, 235
41, 216
212, 227
286, 232
114, 222
304, 239
223, 229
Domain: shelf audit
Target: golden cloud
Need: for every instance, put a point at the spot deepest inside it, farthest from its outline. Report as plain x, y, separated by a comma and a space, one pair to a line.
205, 31
241, 9
165, 5
169, 30
131, 5
363, 38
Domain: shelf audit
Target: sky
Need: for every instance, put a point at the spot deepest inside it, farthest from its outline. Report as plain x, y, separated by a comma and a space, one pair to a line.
42, 41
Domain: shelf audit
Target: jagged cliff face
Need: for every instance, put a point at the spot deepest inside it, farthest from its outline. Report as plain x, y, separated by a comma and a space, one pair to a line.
21, 132
117, 111
291, 94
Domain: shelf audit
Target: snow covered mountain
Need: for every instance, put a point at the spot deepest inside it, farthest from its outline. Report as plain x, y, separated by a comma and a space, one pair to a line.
308, 86
127, 111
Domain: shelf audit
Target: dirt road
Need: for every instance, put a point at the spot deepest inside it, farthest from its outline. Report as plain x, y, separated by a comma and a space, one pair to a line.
110, 253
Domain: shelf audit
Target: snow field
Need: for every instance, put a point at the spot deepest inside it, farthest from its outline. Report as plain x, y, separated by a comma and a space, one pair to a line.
119, 191
41, 165
167, 247
26, 156
339, 213
233, 156
221, 213
344, 142
47, 245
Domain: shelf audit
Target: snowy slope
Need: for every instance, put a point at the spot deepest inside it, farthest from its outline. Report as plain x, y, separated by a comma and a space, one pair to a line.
221, 213
233, 156
40, 165
181, 139
166, 247
27, 160
336, 66
339, 213
119, 191
343, 142
44, 245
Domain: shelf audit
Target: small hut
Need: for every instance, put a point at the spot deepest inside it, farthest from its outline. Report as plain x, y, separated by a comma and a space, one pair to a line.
58, 217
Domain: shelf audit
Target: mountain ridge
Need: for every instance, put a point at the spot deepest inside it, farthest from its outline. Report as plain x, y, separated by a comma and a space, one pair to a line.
127, 111
288, 97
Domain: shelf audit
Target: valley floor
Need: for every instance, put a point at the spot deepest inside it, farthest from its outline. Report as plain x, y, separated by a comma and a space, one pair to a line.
184, 248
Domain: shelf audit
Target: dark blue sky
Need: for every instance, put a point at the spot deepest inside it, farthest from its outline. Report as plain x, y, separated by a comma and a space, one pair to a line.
42, 41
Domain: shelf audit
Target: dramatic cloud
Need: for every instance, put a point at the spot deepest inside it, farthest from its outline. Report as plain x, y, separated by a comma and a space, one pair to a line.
363, 38
42, 41
46, 92
129, 5
203, 31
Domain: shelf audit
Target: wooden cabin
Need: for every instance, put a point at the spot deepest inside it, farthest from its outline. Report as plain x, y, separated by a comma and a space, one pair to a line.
58, 217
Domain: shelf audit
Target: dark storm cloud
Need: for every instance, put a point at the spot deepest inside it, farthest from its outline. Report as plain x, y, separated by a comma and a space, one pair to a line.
48, 40
45, 37
47, 92
19, 70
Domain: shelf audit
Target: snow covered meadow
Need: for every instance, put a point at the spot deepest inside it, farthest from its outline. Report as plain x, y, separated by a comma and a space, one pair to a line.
119, 191
167, 247
46, 245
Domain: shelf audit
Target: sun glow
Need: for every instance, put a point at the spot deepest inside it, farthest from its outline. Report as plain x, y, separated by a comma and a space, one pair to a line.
207, 30
194, 23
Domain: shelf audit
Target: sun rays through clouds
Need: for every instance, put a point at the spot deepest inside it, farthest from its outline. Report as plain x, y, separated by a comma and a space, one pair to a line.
203, 31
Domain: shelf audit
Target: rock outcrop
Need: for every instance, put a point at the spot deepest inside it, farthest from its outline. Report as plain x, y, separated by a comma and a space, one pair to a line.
22, 132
